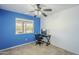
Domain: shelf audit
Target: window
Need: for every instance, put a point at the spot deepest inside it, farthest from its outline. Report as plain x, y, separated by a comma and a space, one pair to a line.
24, 26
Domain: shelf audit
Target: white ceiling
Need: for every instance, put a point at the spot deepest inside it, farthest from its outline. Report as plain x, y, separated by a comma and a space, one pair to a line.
25, 8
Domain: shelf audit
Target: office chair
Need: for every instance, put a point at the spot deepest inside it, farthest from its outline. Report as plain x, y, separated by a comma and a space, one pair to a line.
39, 39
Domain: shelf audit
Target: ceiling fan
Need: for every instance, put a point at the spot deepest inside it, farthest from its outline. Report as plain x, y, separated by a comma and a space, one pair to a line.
40, 10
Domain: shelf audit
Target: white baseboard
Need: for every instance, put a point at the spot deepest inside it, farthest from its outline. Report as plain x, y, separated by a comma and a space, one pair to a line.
64, 49
16, 46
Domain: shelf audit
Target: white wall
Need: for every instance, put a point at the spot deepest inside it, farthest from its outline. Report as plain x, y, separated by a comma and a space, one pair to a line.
64, 27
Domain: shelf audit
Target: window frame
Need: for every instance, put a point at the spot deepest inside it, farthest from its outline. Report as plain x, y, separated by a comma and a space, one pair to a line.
23, 22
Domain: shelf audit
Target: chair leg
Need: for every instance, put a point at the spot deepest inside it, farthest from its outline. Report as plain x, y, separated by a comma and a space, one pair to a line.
47, 44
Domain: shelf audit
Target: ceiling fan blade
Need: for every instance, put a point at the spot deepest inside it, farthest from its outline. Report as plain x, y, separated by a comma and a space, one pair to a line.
31, 11
44, 14
47, 9
38, 6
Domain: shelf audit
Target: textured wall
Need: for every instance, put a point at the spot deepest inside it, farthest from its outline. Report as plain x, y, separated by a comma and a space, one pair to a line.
64, 28
8, 32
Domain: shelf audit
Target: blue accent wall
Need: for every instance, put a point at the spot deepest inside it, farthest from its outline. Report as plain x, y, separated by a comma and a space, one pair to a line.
8, 36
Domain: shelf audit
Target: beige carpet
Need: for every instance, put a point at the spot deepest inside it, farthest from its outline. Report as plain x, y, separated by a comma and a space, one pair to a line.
32, 49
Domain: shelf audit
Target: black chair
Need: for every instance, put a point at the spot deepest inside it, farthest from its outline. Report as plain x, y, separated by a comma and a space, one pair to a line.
39, 39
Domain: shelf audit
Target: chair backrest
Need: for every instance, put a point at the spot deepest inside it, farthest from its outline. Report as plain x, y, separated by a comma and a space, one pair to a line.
38, 36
